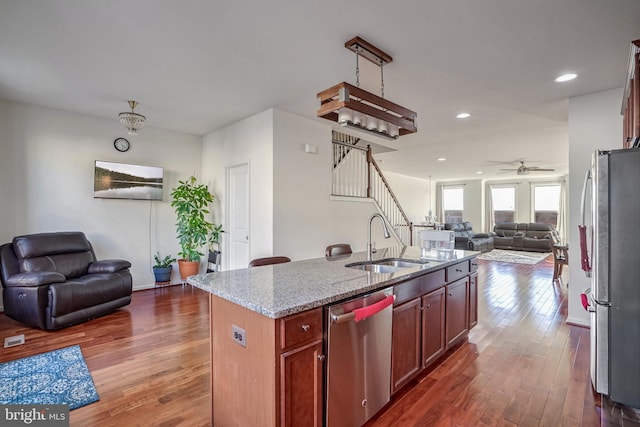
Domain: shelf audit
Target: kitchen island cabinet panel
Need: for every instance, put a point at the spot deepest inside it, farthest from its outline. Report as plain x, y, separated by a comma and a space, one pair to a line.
301, 386
406, 359
473, 300
457, 311
433, 326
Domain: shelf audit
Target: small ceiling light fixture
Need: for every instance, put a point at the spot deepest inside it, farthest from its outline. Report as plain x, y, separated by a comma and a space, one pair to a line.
441, 159
479, 172
566, 77
463, 116
353, 107
133, 122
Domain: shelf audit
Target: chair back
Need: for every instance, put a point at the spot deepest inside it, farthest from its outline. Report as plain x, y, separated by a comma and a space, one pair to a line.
269, 260
338, 249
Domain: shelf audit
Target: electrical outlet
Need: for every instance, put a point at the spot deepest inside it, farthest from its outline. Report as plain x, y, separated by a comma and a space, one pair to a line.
239, 335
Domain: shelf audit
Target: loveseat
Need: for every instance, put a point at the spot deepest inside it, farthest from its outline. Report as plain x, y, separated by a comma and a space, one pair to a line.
468, 240
532, 237
53, 280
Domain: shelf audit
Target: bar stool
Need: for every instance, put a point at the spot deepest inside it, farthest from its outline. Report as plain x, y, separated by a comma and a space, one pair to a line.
338, 249
269, 260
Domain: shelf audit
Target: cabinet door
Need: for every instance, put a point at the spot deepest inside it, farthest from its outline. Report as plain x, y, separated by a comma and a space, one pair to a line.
457, 310
473, 300
433, 320
301, 386
406, 360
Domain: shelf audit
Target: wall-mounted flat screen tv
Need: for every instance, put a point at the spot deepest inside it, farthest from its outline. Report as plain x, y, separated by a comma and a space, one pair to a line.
124, 181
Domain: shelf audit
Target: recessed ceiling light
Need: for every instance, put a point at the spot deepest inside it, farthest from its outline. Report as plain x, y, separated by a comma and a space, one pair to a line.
463, 115
441, 159
566, 77
479, 172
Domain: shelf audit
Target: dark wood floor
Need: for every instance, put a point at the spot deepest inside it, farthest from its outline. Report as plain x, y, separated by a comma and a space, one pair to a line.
523, 365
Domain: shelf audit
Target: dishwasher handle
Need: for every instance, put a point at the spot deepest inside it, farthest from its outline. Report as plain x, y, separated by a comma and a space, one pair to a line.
362, 313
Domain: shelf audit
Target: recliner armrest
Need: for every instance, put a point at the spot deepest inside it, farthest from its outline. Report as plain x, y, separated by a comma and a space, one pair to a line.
108, 266
37, 278
482, 235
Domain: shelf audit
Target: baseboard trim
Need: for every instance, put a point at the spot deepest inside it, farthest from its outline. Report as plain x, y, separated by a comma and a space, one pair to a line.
576, 322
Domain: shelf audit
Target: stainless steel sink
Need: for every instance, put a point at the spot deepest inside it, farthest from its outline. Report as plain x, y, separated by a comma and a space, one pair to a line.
390, 265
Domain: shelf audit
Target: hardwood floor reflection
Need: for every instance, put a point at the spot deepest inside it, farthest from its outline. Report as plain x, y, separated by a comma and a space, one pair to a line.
523, 365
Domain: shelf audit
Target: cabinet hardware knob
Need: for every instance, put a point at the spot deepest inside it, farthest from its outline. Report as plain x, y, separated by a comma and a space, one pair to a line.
450, 294
428, 305
306, 328
321, 357
459, 270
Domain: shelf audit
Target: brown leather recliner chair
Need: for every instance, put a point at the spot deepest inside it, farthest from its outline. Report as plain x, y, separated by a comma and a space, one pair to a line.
53, 280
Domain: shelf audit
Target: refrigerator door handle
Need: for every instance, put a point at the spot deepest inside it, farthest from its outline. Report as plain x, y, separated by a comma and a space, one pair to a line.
583, 204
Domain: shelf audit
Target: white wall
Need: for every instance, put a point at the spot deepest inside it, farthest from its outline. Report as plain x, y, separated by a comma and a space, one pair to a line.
594, 123
473, 202
46, 172
247, 141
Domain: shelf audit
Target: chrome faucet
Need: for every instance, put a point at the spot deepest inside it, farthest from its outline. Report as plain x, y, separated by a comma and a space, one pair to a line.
385, 230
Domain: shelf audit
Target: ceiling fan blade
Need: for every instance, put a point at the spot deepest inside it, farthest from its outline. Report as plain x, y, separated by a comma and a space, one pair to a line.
533, 169
509, 170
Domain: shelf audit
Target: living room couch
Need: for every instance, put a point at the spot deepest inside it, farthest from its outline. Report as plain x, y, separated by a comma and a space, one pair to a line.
531, 237
468, 240
53, 280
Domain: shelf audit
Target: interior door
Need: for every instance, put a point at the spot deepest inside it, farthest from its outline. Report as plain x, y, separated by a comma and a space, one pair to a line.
238, 183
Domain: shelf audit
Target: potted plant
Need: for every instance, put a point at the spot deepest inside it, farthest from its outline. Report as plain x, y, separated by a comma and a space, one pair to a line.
162, 267
191, 202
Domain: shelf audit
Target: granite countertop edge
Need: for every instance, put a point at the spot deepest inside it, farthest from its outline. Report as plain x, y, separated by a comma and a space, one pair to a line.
280, 290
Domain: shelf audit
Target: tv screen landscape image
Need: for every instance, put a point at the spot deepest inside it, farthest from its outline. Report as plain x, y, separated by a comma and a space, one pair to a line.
124, 181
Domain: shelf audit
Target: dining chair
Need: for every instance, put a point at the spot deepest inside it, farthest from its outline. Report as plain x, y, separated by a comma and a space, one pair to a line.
560, 259
338, 249
269, 260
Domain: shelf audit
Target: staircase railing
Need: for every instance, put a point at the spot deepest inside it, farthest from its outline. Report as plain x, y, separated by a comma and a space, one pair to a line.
356, 174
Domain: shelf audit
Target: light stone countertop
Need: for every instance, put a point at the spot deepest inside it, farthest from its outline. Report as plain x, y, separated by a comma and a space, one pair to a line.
280, 290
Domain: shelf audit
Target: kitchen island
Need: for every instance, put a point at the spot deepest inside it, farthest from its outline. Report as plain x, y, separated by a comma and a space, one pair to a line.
268, 326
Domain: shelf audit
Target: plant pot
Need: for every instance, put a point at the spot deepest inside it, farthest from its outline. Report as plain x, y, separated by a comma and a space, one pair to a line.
188, 268
162, 274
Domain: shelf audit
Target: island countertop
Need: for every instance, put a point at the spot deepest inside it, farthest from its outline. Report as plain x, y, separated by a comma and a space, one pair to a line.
279, 290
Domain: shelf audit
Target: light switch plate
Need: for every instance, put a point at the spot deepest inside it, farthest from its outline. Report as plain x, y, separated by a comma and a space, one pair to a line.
239, 335
14, 340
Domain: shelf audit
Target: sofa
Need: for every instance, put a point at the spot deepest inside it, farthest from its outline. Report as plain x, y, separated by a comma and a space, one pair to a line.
531, 237
468, 240
53, 280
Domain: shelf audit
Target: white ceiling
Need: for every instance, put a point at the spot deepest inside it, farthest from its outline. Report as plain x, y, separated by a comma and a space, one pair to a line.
198, 65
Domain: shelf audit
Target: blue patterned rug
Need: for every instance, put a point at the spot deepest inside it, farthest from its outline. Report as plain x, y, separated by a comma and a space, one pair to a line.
57, 377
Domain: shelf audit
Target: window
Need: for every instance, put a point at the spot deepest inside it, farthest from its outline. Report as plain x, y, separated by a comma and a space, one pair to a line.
546, 203
452, 203
503, 204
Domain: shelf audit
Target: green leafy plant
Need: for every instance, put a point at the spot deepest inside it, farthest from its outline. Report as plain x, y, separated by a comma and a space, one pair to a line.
191, 202
161, 262
215, 235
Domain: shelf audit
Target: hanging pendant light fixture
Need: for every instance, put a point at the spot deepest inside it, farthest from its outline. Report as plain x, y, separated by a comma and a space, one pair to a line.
133, 122
353, 107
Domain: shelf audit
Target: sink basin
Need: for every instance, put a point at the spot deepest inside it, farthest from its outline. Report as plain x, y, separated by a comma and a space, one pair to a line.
390, 265
399, 263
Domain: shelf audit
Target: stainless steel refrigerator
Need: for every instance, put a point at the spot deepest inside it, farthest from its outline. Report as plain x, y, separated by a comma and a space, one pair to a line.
612, 194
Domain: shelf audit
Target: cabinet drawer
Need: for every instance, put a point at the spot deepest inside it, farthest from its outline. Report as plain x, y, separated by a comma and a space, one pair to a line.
302, 327
457, 271
419, 286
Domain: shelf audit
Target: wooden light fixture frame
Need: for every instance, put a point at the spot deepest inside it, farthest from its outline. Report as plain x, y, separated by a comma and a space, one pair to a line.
344, 95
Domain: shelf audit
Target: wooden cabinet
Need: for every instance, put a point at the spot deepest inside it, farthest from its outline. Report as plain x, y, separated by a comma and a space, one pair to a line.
433, 326
301, 382
406, 357
456, 310
473, 300
301, 369
631, 98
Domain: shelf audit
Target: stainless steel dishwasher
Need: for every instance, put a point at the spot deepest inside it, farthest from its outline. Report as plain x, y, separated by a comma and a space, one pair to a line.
358, 358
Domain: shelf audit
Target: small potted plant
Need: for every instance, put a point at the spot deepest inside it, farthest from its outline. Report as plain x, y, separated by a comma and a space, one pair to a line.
162, 267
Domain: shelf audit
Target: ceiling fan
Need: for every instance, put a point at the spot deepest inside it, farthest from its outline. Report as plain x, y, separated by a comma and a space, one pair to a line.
524, 170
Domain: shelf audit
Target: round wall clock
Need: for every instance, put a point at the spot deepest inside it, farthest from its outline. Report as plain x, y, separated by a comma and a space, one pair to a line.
121, 144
